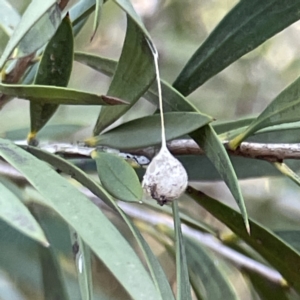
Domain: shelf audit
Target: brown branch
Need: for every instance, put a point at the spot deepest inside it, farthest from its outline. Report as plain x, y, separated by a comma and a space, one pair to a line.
267, 152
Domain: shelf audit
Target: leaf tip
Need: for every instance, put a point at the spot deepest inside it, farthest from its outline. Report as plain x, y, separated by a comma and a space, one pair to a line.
113, 100
247, 227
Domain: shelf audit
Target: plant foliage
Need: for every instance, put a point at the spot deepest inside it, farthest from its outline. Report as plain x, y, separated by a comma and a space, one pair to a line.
75, 223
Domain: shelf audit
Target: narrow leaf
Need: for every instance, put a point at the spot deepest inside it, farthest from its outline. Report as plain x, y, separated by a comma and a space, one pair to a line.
264, 287
54, 69
172, 100
246, 26
129, 9
157, 273
182, 274
105, 240
134, 74
285, 170
208, 140
101, 64
57, 95
200, 167
283, 109
214, 285
222, 127
118, 177
98, 9
33, 14
16, 214
213, 147
53, 282
279, 254
132, 134
82, 255
291, 237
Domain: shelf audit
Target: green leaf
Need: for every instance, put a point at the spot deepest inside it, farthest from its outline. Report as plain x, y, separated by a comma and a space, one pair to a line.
208, 140
38, 16
200, 167
134, 74
57, 95
246, 26
98, 9
157, 273
173, 100
49, 132
128, 8
81, 10
283, 109
287, 171
291, 237
101, 64
54, 69
16, 214
8, 24
182, 273
78, 211
132, 134
118, 177
82, 255
279, 254
264, 287
214, 283
223, 127
53, 282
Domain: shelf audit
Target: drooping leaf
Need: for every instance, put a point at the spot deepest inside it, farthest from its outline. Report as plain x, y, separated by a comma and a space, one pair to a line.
182, 273
82, 256
214, 285
54, 69
246, 26
8, 23
14, 212
157, 273
38, 24
279, 254
208, 140
57, 95
283, 109
134, 74
132, 134
105, 241
118, 177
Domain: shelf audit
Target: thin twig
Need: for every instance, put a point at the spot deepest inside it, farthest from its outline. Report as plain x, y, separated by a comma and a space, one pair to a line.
267, 152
